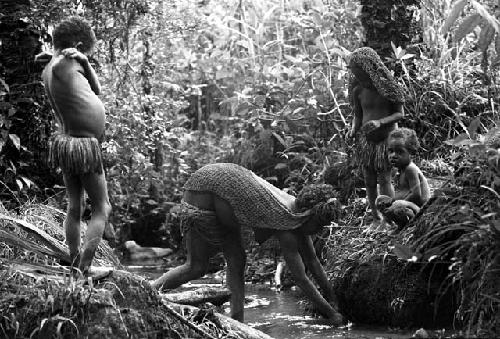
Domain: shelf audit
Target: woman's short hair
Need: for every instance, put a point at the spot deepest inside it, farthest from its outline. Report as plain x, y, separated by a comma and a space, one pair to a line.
321, 199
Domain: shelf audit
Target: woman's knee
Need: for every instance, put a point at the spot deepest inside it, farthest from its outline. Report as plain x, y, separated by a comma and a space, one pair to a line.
197, 268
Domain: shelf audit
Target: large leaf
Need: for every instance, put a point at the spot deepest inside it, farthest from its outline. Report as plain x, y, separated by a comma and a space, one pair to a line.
453, 16
487, 16
16, 141
486, 37
497, 45
467, 25
404, 252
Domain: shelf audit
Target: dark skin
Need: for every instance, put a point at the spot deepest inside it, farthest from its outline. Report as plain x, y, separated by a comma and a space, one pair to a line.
72, 87
296, 246
412, 185
376, 117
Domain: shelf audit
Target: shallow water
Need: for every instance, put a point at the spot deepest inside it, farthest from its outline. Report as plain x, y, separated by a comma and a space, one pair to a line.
281, 314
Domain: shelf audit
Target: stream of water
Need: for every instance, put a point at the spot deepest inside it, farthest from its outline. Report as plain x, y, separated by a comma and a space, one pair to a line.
282, 316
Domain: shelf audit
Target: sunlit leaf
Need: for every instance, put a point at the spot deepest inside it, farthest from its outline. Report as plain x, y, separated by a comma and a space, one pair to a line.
466, 26
15, 140
280, 166
453, 15
458, 140
486, 37
404, 252
473, 126
486, 15
19, 184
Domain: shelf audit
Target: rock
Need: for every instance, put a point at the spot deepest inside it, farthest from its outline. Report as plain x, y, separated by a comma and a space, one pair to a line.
137, 252
391, 292
421, 333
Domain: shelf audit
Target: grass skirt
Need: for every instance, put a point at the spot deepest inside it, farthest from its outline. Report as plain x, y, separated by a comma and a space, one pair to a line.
203, 222
75, 155
372, 155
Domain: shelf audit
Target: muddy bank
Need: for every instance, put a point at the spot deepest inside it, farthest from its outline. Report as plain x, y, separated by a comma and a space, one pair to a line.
122, 305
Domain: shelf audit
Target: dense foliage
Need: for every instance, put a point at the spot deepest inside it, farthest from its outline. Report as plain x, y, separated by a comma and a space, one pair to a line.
259, 83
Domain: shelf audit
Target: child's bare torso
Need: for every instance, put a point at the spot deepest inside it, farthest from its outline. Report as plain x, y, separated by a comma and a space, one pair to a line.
375, 107
404, 188
78, 109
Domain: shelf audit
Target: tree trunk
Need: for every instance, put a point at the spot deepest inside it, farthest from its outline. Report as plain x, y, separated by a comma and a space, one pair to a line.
387, 21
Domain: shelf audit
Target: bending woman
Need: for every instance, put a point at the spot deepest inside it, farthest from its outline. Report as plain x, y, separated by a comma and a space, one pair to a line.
220, 199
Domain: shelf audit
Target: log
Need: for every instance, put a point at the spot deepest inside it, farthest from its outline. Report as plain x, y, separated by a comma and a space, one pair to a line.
39, 234
37, 270
237, 329
214, 295
29, 245
137, 252
47, 244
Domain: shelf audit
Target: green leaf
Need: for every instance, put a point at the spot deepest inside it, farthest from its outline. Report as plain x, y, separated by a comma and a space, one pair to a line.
458, 140
453, 15
280, 166
15, 140
486, 37
497, 44
473, 126
487, 16
4, 84
404, 252
466, 26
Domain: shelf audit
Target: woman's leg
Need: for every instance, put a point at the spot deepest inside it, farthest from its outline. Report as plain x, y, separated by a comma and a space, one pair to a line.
235, 275
370, 176
198, 254
234, 253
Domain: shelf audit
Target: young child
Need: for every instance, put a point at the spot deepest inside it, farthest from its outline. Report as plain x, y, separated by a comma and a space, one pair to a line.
377, 103
72, 87
412, 189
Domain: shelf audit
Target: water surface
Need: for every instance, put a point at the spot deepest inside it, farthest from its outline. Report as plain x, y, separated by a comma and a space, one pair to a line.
282, 315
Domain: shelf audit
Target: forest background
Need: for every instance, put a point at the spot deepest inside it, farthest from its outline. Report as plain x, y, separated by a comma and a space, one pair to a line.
264, 85
261, 84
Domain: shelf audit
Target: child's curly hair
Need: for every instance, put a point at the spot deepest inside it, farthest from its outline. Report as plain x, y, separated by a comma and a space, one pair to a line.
71, 31
409, 137
321, 199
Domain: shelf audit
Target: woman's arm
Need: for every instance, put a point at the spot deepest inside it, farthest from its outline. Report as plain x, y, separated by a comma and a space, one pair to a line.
88, 70
290, 249
396, 115
311, 261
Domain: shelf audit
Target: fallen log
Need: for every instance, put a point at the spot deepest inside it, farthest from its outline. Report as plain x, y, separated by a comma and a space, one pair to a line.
137, 252
27, 244
215, 295
40, 242
42, 236
236, 329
